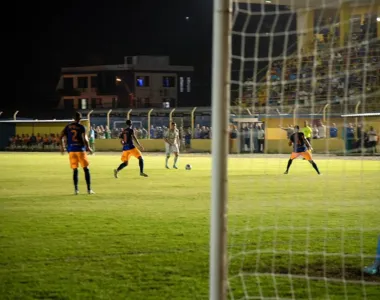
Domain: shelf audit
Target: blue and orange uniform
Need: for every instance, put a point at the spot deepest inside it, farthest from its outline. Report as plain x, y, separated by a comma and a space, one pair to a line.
76, 146
300, 148
127, 138
129, 149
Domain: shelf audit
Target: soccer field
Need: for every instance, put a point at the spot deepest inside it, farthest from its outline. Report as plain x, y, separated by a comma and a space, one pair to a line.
296, 236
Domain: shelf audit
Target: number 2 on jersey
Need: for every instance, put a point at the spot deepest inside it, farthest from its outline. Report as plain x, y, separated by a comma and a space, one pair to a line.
74, 135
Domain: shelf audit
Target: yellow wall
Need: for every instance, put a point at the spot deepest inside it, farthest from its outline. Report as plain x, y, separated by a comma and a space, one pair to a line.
346, 12
284, 122
273, 132
363, 10
305, 21
42, 128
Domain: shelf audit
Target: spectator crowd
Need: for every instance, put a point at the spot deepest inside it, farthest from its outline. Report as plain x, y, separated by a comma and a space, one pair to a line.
252, 136
34, 142
155, 132
323, 72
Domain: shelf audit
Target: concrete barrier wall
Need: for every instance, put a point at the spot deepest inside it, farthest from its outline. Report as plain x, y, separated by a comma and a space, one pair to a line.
272, 146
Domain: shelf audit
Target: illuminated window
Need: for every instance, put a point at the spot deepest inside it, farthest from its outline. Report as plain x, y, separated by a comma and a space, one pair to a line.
181, 83
83, 103
188, 84
142, 81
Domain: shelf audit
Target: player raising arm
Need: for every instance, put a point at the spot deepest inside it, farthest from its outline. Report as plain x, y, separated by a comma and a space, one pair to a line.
300, 148
127, 138
77, 145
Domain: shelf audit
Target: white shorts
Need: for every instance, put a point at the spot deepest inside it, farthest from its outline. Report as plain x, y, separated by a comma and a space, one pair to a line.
169, 149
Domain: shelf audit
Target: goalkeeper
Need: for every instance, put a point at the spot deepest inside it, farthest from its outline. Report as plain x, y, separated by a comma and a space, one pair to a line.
301, 147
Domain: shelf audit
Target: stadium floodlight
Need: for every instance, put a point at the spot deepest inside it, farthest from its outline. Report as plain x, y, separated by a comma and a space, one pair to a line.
289, 66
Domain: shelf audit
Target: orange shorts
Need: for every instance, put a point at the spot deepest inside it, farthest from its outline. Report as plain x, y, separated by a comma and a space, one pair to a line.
306, 155
78, 158
128, 153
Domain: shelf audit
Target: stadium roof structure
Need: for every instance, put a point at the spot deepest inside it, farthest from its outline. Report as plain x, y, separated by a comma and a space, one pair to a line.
310, 3
40, 121
361, 115
134, 111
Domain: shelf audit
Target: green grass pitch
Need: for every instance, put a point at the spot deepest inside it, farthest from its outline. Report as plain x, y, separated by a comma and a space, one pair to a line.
296, 236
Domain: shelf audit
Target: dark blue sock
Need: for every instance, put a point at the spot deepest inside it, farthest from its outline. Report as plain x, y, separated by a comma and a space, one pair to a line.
289, 164
315, 166
88, 178
122, 166
75, 178
141, 164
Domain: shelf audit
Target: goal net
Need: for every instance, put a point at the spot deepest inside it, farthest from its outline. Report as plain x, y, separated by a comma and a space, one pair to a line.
315, 64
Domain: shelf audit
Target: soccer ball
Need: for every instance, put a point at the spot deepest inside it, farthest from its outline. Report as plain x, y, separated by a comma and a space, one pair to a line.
188, 167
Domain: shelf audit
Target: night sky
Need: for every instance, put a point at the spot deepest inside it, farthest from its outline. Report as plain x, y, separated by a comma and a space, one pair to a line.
44, 36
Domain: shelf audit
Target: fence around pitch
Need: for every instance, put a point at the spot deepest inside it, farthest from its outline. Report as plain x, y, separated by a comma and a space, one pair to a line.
202, 115
192, 116
145, 118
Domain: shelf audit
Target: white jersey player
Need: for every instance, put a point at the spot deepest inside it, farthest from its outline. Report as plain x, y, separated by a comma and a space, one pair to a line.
172, 143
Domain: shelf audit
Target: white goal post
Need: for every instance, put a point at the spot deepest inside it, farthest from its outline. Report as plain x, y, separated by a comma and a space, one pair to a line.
222, 15
333, 70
